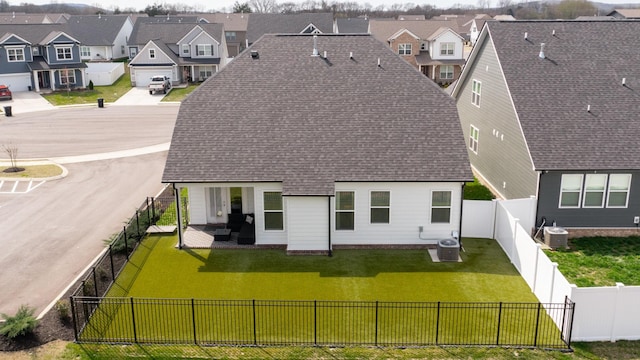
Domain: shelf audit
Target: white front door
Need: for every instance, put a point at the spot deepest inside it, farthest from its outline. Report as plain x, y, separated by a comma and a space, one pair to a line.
217, 205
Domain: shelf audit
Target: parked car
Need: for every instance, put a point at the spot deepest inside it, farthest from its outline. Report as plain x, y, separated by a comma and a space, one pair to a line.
159, 83
5, 93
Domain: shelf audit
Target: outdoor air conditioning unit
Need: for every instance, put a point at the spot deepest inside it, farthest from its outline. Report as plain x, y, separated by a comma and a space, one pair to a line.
448, 250
555, 237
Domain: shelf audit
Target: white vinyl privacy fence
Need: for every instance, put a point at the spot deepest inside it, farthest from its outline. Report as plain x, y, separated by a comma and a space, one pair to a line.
601, 313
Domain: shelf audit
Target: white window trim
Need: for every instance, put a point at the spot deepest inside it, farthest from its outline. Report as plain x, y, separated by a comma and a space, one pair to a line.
476, 96
628, 190
453, 71
64, 58
15, 49
379, 207
431, 206
444, 48
405, 47
474, 140
186, 47
152, 53
585, 191
205, 46
336, 211
71, 72
264, 225
84, 53
580, 191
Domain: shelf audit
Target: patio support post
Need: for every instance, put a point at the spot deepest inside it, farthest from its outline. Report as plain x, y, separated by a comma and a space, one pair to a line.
178, 215
460, 224
84, 79
35, 80
52, 79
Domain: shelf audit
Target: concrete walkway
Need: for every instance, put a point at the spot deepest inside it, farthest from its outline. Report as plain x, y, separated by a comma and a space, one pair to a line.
139, 96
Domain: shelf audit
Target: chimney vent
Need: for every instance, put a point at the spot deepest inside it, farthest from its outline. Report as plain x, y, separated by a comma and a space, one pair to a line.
379, 62
541, 55
325, 55
553, 33
588, 108
526, 35
624, 81
351, 55
254, 54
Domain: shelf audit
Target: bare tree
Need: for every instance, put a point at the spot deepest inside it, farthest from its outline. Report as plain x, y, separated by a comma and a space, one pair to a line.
12, 151
264, 6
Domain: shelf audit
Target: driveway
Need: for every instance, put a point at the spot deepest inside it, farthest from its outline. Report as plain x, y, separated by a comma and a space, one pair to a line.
26, 101
114, 156
139, 96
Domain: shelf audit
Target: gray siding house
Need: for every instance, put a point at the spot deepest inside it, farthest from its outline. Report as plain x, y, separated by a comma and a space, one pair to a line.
40, 56
102, 37
348, 149
550, 110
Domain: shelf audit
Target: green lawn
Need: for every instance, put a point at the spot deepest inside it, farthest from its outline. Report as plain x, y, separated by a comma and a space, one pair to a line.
600, 261
160, 270
109, 93
477, 191
178, 94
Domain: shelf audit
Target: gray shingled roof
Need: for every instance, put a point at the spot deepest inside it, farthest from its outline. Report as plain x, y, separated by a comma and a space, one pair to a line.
584, 66
308, 122
170, 33
260, 24
384, 29
353, 25
33, 33
96, 30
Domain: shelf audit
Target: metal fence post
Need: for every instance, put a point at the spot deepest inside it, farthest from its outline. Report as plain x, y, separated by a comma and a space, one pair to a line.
535, 338
95, 281
255, 337
113, 271
193, 316
74, 318
153, 209
315, 322
438, 323
126, 246
138, 225
376, 334
133, 322
499, 320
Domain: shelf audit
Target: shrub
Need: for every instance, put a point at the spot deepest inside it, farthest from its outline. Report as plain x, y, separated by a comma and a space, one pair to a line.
62, 306
477, 191
22, 323
90, 85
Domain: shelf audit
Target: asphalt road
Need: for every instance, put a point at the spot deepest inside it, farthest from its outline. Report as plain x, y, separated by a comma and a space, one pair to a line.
49, 235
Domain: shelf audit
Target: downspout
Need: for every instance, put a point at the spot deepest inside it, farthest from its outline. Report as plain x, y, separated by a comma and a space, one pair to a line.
460, 225
178, 215
329, 223
535, 223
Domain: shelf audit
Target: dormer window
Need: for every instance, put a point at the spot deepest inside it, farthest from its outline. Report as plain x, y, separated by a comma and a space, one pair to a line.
152, 53
35, 51
64, 53
185, 49
15, 54
311, 29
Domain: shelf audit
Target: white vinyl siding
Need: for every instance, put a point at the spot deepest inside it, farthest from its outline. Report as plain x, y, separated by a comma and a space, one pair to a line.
307, 223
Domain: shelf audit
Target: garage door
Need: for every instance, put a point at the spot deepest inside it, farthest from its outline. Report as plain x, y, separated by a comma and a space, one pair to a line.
16, 82
143, 75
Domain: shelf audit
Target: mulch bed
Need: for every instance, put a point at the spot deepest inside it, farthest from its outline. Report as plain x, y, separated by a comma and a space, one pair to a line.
51, 327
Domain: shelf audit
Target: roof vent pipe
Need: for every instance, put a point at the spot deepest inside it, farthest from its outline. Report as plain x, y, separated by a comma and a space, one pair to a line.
588, 108
553, 33
541, 55
379, 62
315, 46
351, 55
526, 35
325, 54
624, 81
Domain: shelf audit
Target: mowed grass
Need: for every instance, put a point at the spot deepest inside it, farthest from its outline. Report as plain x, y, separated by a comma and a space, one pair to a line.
109, 93
32, 171
160, 270
600, 261
178, 94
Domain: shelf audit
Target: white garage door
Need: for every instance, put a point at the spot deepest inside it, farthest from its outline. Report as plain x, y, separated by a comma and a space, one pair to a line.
143, 76
16, 82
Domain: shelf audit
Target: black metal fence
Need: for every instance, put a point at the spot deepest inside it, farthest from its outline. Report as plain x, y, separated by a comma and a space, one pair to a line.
373, 323
104, 271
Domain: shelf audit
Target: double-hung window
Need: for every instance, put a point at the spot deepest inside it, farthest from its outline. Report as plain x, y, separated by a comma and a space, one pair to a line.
380, 203
404, 49
440, 207
474, 135
447, 48
446, 72
67, 77
273, 212
85, 51
152, 53
345, 210
204, 50
618, 192
475, 92
570, 190
594, 186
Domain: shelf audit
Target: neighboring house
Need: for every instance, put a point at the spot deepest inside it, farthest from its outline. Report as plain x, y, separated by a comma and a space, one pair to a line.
431, 46
547, 116
327, 151
305, 23
182, 51
102, 37
22, 18
235, 29
625, 13
352, 25
40, 56
476, 26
